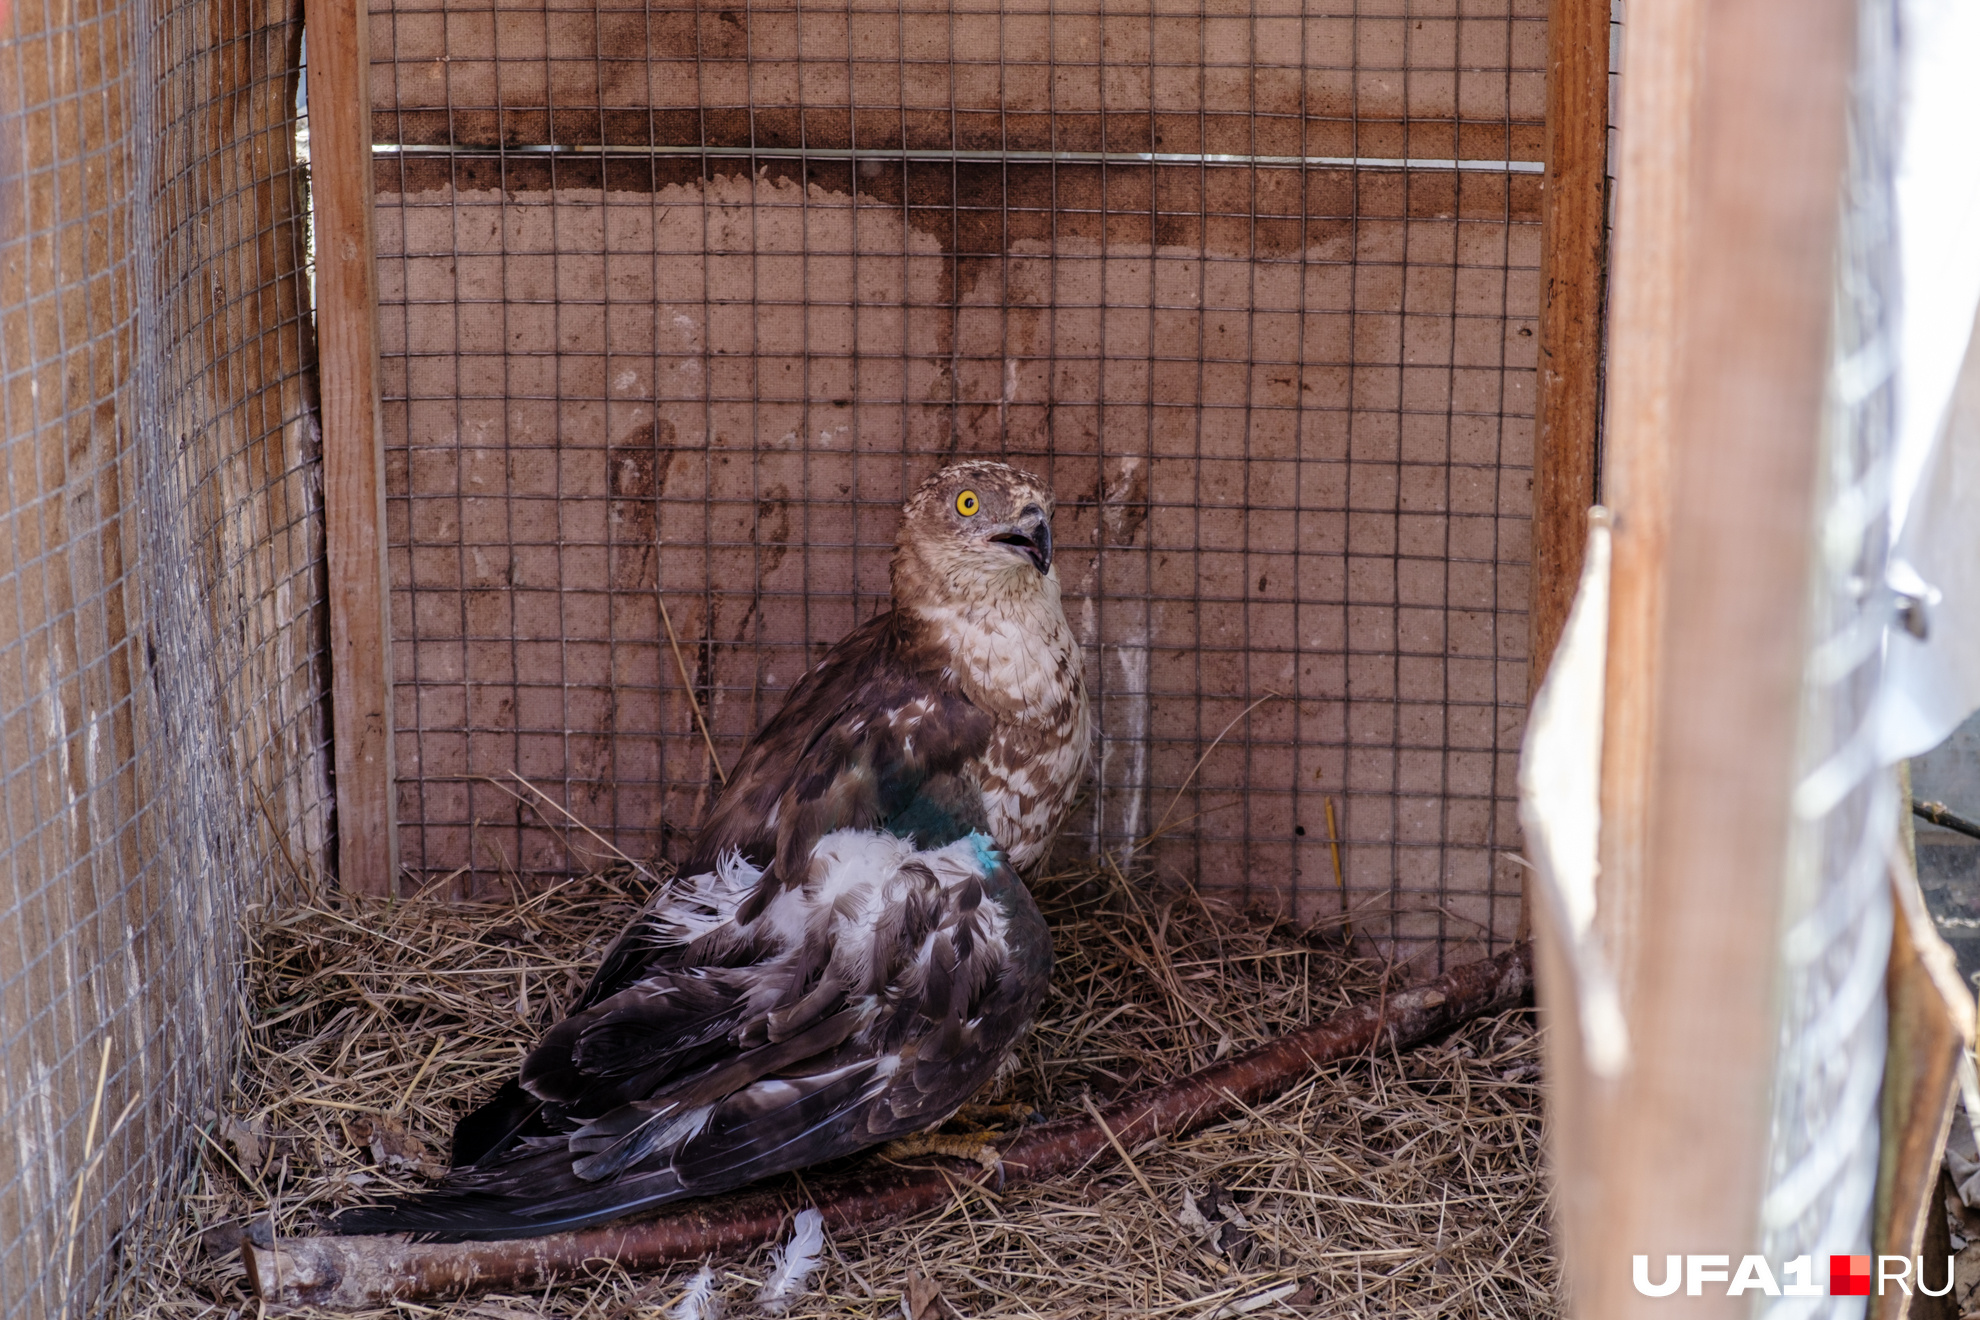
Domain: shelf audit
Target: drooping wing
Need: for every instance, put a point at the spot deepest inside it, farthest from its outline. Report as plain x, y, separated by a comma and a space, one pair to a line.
669, 1023
872, 738
773, 1125
955, 994
740, 1004
945, 992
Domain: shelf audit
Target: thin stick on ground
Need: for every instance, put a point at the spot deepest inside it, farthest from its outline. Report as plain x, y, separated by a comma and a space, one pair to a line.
1126, 1159
419, 1076
1340, 877
82, 1177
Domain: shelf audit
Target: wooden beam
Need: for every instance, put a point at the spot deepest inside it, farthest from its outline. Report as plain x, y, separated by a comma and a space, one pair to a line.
1572, 278
1729, 169
353, 456
1652, 195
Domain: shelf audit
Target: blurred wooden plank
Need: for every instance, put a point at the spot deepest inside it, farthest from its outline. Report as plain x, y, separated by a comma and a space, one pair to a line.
353, 456
1731, 154
1572, 279
1644, 266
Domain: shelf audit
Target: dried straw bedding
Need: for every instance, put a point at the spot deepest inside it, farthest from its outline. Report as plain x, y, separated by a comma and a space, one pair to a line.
1394, 1185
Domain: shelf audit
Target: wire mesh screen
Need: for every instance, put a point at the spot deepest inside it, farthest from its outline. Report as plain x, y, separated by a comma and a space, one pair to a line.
1825, 1138
160, 583
679, 303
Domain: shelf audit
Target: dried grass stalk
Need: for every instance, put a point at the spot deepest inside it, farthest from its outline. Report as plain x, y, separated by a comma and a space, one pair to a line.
353, 1273
1385, 1184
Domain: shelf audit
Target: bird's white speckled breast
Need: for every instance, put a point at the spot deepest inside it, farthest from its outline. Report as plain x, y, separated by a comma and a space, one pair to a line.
1029, 779
1024, 666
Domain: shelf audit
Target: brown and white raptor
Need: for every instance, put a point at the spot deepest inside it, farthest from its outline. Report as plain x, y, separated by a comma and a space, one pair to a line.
849, 954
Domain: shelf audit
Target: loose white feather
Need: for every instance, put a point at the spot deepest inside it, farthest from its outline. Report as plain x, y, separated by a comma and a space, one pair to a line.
699, 1302
791, 1265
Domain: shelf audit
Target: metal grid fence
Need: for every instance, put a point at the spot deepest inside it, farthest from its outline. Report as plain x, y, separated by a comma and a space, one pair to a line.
160, 592
678, 303
1837, 916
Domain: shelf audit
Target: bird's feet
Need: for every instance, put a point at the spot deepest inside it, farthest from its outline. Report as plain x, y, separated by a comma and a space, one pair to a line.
975, 1146
1016, 1113
975, 1142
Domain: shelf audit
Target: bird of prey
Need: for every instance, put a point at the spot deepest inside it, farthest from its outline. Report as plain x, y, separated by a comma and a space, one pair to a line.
849, 954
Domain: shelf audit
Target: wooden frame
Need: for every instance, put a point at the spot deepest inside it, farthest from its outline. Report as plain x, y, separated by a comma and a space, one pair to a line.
353, 454
1573, 276
1730, 159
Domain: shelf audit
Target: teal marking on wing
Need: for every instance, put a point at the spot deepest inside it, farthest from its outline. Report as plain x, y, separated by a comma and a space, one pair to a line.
988, 855
927, 823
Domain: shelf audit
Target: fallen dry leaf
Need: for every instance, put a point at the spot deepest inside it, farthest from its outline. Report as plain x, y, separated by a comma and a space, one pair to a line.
246, 1140
921, 1297
1190, 1217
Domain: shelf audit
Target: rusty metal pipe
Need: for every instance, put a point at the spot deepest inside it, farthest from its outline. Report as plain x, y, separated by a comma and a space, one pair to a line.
356, 1272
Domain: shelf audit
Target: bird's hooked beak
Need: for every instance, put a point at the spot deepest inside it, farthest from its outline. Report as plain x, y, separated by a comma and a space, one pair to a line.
1031, 536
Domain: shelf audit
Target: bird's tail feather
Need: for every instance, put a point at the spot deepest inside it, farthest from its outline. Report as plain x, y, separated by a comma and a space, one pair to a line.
556, 1204
770, 1127
509, 1116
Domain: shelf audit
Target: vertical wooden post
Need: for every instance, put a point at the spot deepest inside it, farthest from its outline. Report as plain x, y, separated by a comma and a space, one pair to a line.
1572, 278
353, 455
1731, 160
1653, 192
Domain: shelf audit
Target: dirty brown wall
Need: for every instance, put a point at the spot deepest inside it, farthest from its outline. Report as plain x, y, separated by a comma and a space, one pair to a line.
1286, 407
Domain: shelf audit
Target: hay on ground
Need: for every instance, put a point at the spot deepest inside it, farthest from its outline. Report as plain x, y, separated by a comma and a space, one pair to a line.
1393, 1186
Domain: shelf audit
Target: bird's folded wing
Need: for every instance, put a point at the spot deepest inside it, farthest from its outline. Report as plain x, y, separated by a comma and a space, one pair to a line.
668, 1027
686, 1083
857, 741
671, 1022
873, 738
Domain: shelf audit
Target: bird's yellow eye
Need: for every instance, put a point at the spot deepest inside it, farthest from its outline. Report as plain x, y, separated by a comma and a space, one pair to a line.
967, 504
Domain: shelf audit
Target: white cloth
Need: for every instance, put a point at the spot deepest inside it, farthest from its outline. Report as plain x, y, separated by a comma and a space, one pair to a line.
1931, 685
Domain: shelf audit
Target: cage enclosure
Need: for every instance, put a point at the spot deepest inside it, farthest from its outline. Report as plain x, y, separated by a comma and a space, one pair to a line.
421, 486
672, 307
676, 307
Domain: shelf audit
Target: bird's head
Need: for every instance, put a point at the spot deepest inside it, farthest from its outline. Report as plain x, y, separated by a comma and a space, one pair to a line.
975, 532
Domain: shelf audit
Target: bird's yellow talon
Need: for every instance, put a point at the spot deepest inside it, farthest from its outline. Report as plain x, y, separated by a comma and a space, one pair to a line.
956, 1145
1014, 1113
